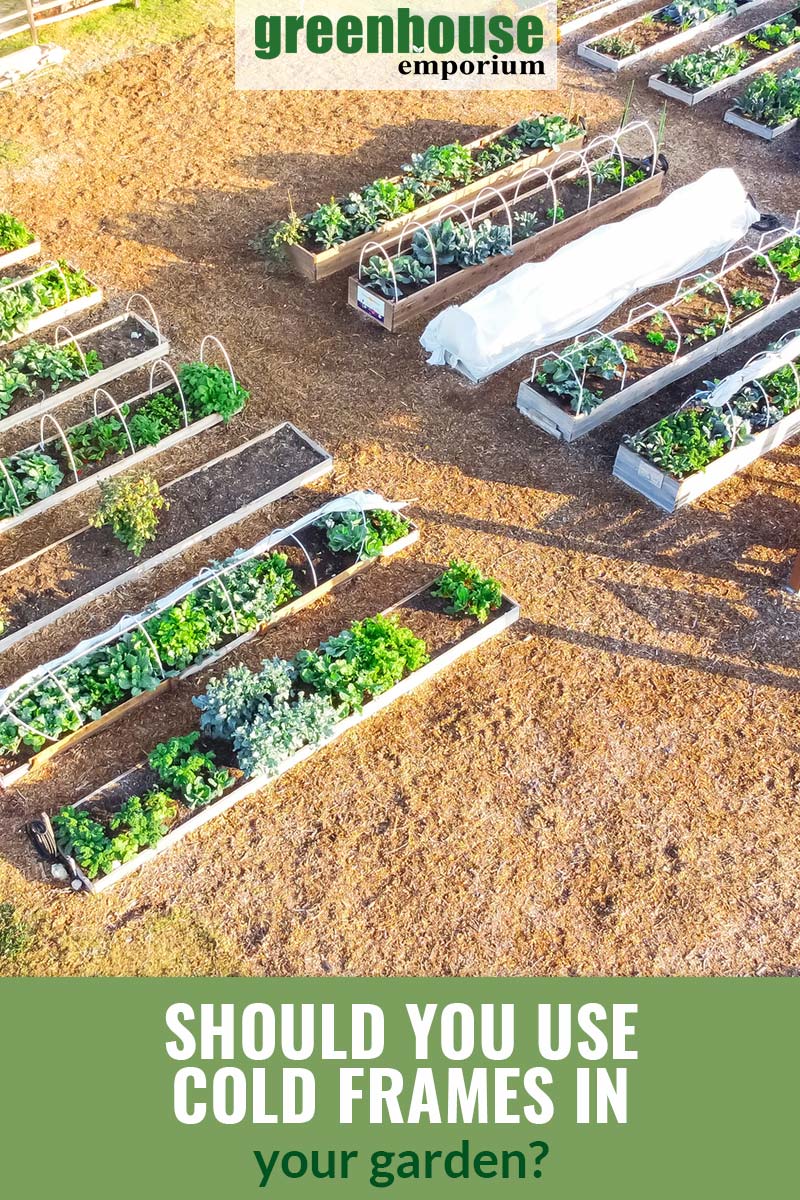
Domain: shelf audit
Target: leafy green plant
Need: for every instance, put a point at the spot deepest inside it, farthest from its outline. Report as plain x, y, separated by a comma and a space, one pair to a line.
616, 45
526, 224
696, 71
364, 660
468, 591
354, 532
193, 774
772, 100
565, 376
688, 13
328, 225
550, 129
141, 822
210, 389
15, 936
785, 258
775, 35
661, 341
282, 723
682, 443
747, 298
130, 505
13, 234
35, 475
96, 439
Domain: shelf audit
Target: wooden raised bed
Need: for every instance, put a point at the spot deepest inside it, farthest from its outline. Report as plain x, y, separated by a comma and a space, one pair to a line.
10, 258
54, 316
232, 486
598, 58
316, 265
128, 340
670, 494
392, 314
307, 598
469, 635
734, 116
760, 60
72, 488
545, 411
588, 13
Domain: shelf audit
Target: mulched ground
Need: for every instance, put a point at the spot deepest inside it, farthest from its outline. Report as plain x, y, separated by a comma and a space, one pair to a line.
610, 788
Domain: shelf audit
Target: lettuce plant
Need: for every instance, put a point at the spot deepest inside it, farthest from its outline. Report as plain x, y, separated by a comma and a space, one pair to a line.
13, 234
468, 591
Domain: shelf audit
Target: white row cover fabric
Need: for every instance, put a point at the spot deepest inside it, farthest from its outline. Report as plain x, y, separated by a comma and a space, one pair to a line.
362, 501
758, 368
578, 286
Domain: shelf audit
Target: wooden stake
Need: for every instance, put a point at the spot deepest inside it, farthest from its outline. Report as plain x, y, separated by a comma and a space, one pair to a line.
32, 22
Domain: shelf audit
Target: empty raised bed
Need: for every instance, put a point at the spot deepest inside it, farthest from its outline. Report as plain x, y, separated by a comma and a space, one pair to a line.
37, 377
429, 265
69, 573
52, 293
17, 242
253, 728
332, 237
117, 436
769, 107
695, 77
227, 604
594, 379
658, 31
718, 431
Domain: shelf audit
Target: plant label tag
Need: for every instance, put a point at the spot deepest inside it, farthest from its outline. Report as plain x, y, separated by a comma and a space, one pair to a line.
651, 474
371, 305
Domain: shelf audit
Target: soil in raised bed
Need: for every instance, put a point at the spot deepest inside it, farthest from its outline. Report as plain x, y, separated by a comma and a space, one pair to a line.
688, 314
90, 558
741, 43
113, 345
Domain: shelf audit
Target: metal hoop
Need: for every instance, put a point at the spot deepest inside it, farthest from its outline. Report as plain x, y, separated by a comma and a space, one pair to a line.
382, 250
448, 208
71, 337
411, 225
165, 366
213, 576
311, 566
64, 439
503, 201
156, 326
211, 337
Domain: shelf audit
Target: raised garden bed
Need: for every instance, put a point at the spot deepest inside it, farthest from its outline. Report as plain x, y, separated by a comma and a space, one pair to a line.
91, 359
196, 625
690, 451
660, 30
116, 438
67, 574
591, 381
695, 77
51, 294
17, 243
439, 177
575, 14
527, 224
769, 106
222, 780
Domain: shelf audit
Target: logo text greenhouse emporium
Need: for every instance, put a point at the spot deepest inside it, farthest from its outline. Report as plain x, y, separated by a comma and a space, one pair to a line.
364, 45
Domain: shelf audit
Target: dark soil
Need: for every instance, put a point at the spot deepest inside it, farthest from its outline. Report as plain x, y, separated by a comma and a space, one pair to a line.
127, 339
76, 566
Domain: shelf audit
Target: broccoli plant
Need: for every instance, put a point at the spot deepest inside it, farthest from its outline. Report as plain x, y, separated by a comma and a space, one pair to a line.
697, 71
565, 376
772, 100
34, 474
